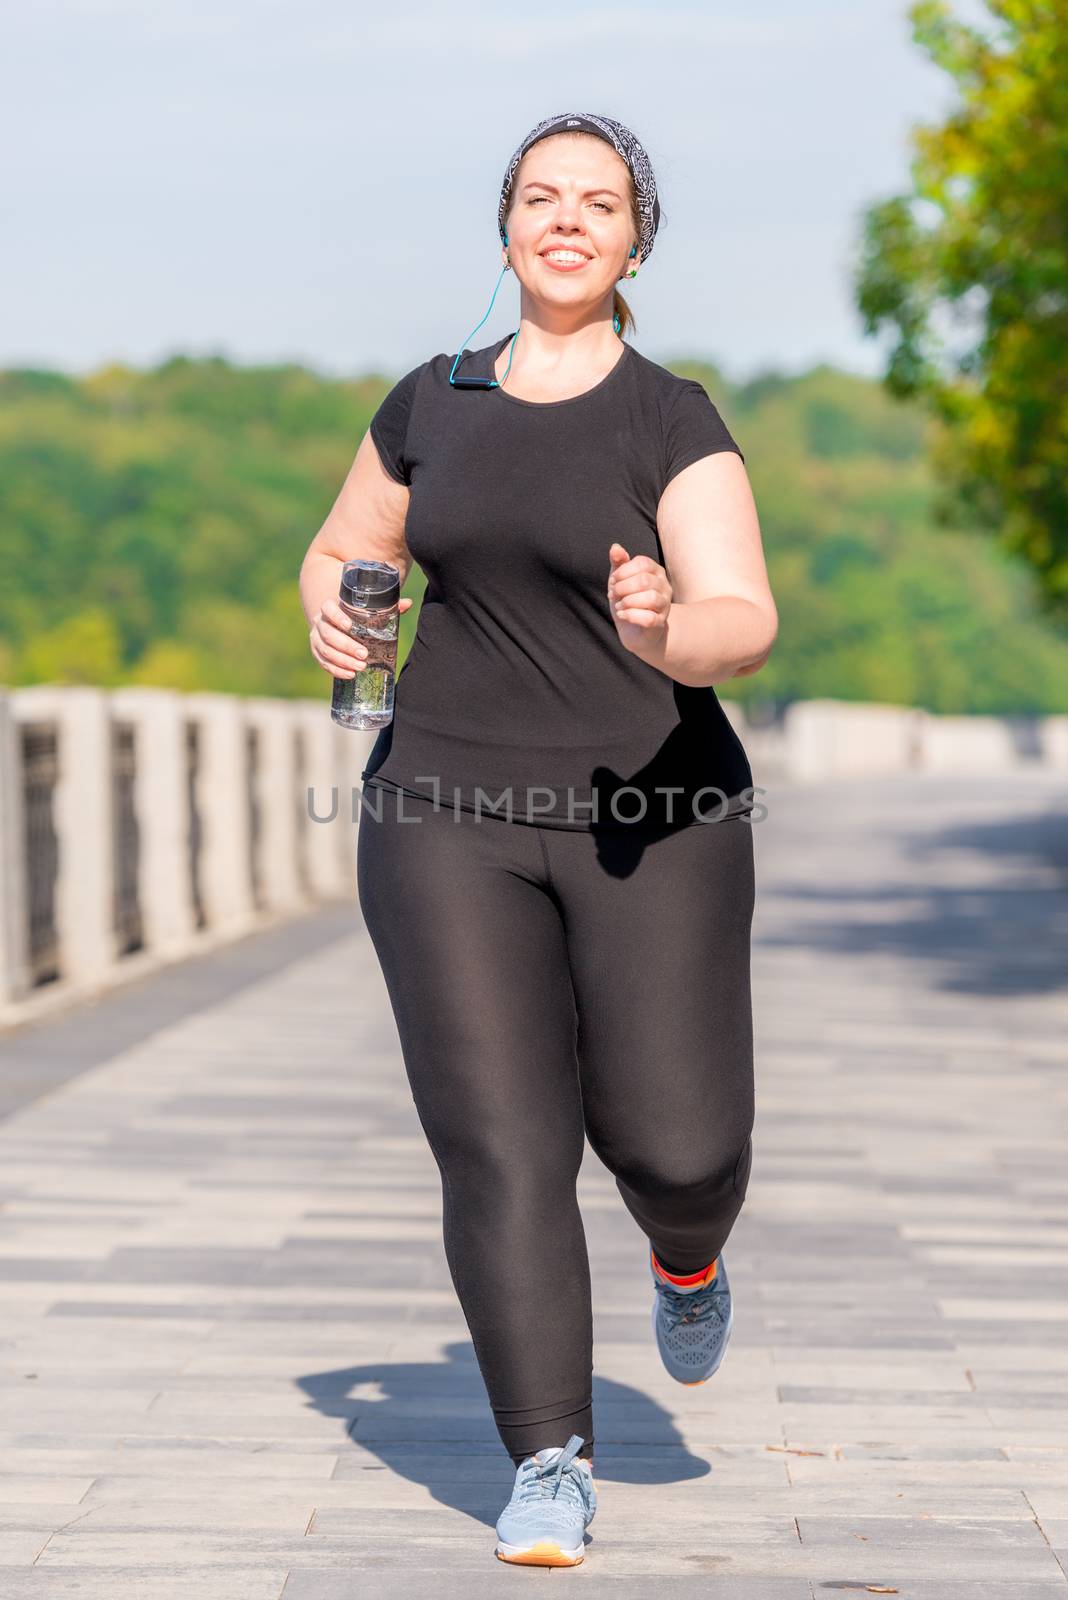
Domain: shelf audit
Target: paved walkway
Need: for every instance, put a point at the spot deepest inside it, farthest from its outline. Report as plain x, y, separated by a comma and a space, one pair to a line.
234, 1368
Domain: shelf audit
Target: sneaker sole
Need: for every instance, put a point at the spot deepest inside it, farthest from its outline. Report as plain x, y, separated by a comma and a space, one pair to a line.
691, 1383
543, 1554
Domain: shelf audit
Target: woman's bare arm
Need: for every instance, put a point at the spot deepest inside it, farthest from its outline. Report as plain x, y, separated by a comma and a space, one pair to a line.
724, 622
365, 522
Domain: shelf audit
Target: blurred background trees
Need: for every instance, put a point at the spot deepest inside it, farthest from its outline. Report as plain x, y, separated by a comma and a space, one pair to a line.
969, 272
154, 523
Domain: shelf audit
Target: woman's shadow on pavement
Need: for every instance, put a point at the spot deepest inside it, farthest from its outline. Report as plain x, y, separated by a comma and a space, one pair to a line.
430, 1421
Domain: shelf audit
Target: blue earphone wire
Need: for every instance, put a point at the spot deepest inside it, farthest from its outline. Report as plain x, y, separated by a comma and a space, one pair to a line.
494, 383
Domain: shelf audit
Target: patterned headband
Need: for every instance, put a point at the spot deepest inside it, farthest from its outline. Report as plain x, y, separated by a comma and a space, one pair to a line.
625, 145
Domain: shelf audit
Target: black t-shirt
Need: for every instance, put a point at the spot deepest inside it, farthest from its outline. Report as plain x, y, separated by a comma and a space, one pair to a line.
517, 698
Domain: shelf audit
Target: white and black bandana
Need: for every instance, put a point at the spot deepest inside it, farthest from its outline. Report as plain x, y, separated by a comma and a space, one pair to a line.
622, 141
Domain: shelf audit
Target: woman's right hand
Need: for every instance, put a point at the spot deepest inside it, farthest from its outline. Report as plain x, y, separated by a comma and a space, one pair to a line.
332, 644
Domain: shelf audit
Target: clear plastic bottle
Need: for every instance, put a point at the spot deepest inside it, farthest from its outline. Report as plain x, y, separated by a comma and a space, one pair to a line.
370, 595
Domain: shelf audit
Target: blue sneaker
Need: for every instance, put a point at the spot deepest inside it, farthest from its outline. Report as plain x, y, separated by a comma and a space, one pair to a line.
552, 1505
692, 1323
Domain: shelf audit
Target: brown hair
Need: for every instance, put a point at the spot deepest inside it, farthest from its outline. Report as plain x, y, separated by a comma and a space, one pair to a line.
620, 307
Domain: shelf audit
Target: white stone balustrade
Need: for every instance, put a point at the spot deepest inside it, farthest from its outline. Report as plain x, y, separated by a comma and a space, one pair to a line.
245, 812
204, 863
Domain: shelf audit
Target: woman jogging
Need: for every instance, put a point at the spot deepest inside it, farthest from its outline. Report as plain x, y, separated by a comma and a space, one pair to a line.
555, 851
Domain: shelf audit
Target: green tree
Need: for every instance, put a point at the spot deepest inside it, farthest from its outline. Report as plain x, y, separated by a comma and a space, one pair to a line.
153, 524
970, 271
82, 649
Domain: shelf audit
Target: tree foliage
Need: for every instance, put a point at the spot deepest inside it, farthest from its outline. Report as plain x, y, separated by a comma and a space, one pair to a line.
154, 523
969, 272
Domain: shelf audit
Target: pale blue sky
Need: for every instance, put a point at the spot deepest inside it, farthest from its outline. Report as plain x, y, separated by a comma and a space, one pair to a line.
319, 182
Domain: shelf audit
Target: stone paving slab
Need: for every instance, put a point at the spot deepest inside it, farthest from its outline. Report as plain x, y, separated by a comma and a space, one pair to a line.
232, 1362
134, 1582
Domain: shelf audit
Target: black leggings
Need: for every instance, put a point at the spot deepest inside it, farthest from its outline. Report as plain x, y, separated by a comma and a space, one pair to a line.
548, 983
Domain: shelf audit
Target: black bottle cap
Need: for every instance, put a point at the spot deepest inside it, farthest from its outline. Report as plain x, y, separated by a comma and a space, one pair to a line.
370, 585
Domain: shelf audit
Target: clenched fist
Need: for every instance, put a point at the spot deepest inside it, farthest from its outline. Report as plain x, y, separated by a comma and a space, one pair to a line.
639, 599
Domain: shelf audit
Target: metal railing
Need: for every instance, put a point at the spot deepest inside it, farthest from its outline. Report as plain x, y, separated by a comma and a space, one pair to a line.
126, 841
39, 749
255, 815
194, 834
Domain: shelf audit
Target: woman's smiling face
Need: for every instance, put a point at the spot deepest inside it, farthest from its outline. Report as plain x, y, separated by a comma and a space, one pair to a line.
571, 196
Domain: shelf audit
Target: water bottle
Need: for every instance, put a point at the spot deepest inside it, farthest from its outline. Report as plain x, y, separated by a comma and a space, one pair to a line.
370, 595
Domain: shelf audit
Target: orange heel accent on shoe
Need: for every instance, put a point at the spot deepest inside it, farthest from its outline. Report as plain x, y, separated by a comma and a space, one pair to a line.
704, 1276
543, 1554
